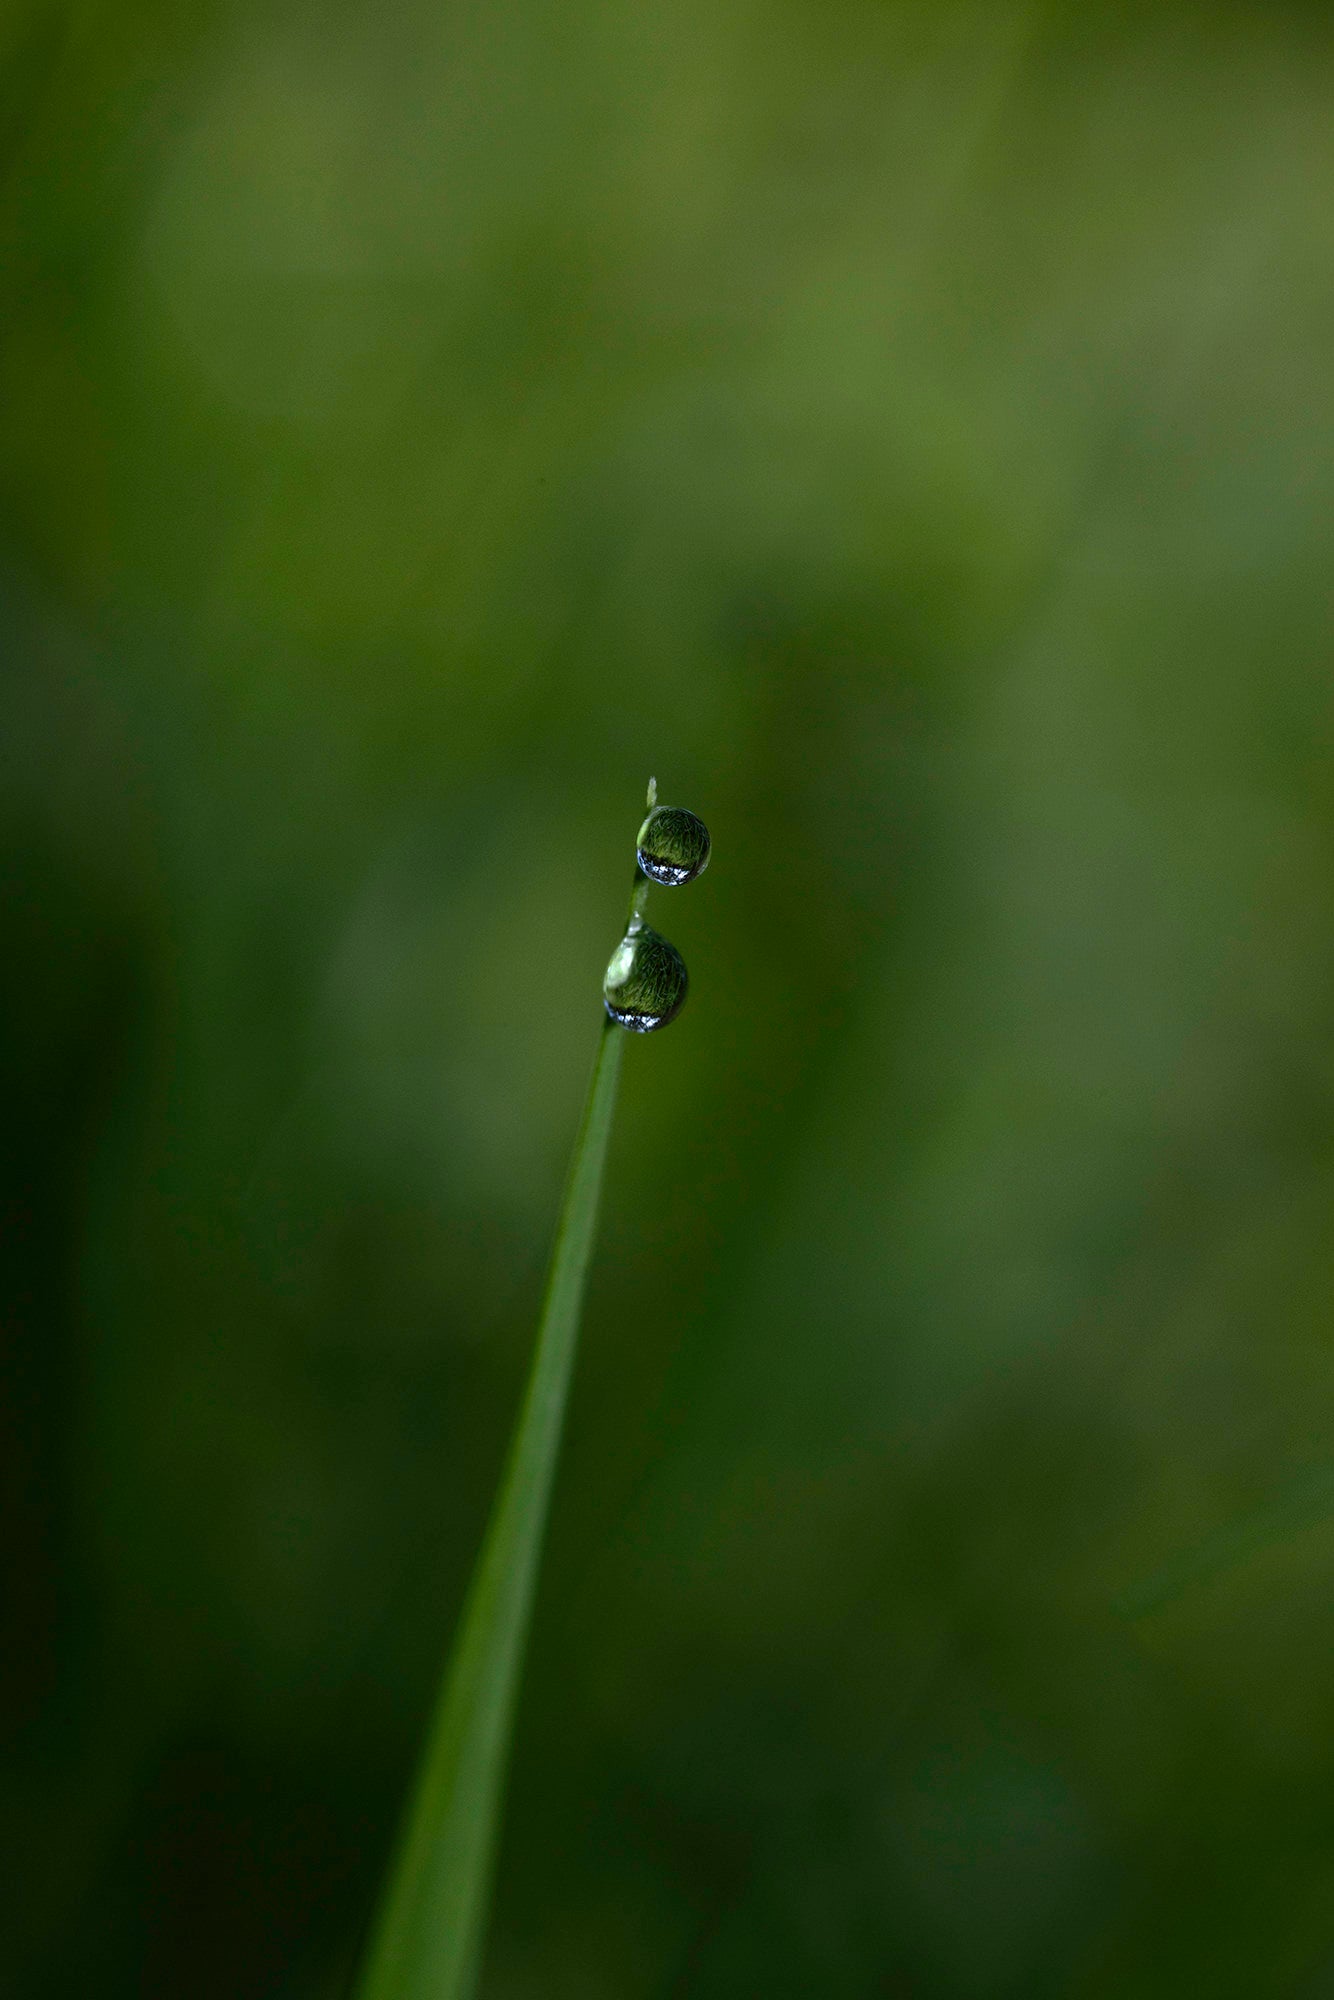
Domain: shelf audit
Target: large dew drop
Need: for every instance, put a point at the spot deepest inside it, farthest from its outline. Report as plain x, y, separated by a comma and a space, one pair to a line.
673, 846
646, 982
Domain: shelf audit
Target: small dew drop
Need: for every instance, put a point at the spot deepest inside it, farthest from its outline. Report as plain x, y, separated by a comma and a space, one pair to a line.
673, 846
646, 982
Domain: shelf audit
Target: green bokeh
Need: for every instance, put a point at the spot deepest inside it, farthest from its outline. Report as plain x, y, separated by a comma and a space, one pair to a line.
906, 430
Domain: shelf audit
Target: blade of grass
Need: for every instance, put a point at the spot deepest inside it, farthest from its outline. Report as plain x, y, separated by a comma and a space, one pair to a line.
427, 1941
1305, 1501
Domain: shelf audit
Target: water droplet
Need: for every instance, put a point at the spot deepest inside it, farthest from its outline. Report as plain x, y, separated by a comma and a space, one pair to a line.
673, 846
646, 982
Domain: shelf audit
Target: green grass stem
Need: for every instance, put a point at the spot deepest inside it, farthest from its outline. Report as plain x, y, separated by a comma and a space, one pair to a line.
428, 1937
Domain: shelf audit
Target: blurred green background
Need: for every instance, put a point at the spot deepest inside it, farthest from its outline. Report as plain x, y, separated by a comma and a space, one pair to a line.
906, 430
